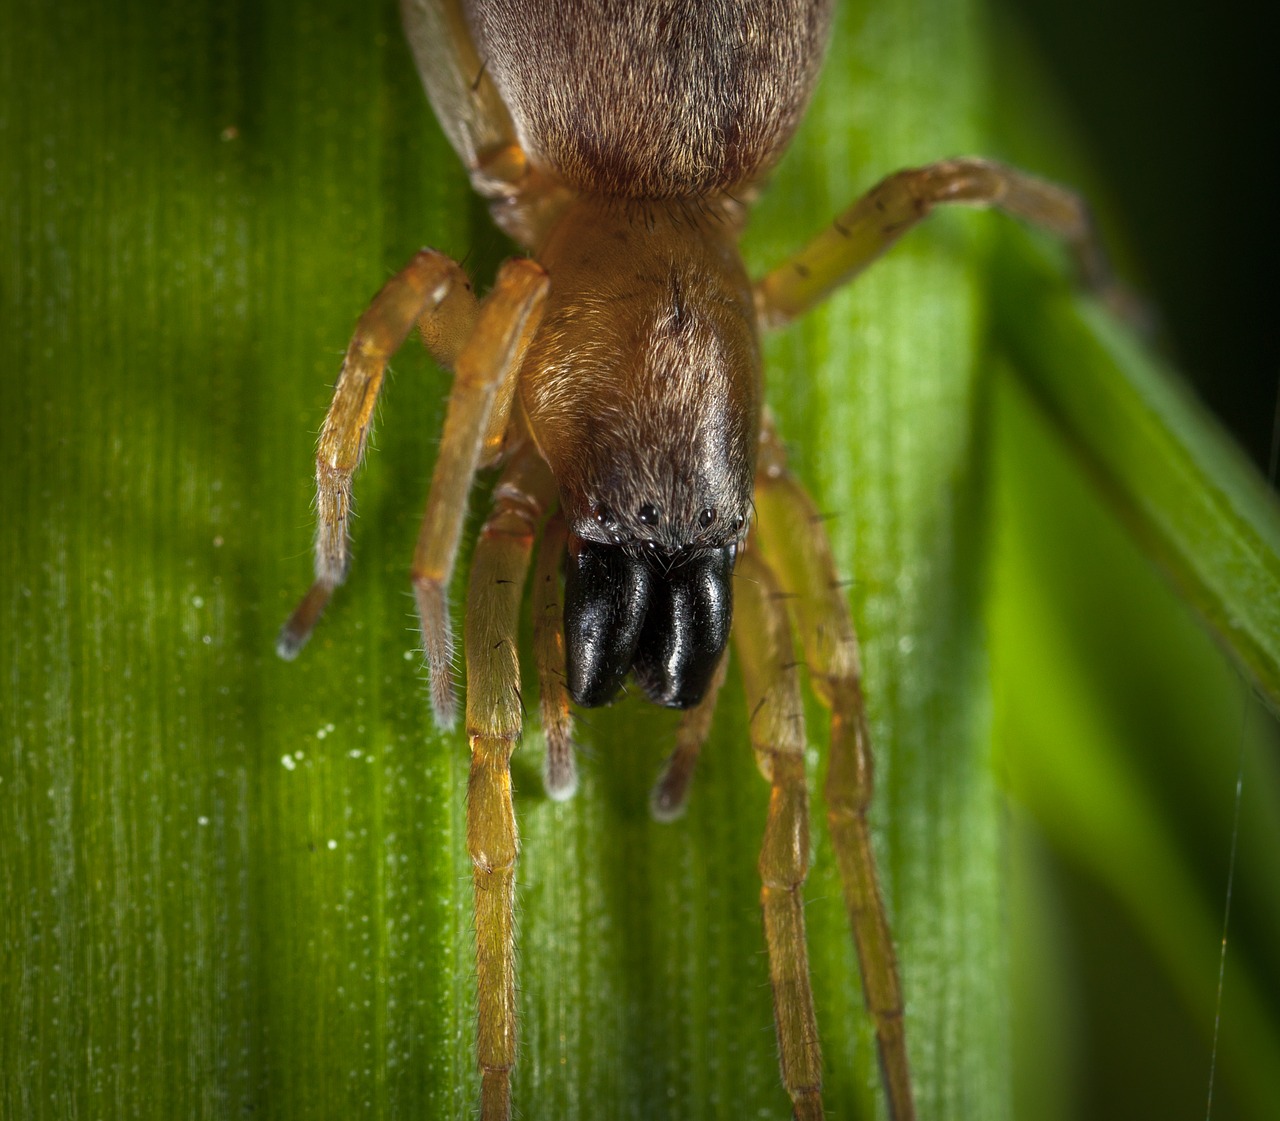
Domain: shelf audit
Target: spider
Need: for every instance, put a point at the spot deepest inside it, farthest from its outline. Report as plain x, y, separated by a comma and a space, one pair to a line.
614, 378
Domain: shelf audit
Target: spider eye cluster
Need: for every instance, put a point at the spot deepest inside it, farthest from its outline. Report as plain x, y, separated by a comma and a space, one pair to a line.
649, 516
665, 618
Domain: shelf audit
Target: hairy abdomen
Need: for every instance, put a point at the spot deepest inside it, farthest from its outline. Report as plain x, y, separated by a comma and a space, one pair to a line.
653, 99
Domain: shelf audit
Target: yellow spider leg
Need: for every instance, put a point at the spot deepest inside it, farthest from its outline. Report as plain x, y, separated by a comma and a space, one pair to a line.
560, 772
431, 290
471, 112
671, 791
494, 713
466, 102
791, 531
762, 640
896, 204
493, 354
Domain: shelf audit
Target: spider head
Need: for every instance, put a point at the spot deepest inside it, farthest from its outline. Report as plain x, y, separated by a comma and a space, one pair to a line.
655, 526
657, 499
656, 517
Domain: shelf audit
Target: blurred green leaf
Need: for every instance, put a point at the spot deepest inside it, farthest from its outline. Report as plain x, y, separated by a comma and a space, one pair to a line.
1184, 490
1122, 729
232, 884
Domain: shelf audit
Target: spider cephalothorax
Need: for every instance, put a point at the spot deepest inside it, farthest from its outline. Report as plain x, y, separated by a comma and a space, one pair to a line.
661, 325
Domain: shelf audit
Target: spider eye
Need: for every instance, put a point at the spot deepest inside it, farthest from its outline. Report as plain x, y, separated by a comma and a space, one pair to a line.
604, 516
706, 518
686, 630
648, 514
606, 596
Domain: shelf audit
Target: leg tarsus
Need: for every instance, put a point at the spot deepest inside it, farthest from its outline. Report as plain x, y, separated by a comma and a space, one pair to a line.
298, 627
431, 289
438, 649
671, 791
560, 770
495, 1094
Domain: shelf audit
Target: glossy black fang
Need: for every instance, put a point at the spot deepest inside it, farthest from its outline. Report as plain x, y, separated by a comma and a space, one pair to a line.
686, 629
607, 592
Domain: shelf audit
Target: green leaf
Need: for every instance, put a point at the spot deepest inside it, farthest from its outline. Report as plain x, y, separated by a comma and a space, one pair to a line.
232, 884
1134, 546
1181, 486
1122, 734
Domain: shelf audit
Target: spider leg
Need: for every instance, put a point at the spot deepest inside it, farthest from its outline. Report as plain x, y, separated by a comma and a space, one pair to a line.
494, 715
671, 791
762, 639
872, 224
471, 112
492, 355
431, 290
466, 102
792, 535
560, 772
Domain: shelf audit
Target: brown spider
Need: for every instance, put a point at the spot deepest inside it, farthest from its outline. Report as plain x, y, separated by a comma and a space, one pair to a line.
615, 378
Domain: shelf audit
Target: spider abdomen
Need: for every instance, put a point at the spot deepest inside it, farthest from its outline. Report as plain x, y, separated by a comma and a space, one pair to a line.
649, 98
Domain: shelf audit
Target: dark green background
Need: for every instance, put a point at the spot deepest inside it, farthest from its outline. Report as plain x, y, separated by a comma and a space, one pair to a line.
1175, 100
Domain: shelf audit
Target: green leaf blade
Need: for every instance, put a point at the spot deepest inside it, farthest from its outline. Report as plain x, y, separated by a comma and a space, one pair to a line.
1182, 486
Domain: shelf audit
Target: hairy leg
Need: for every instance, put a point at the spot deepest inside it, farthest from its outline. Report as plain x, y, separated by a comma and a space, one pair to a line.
795, 543
762, 640
560, 772
492, 355
473, 116
872, 224
430, 290
494, 715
